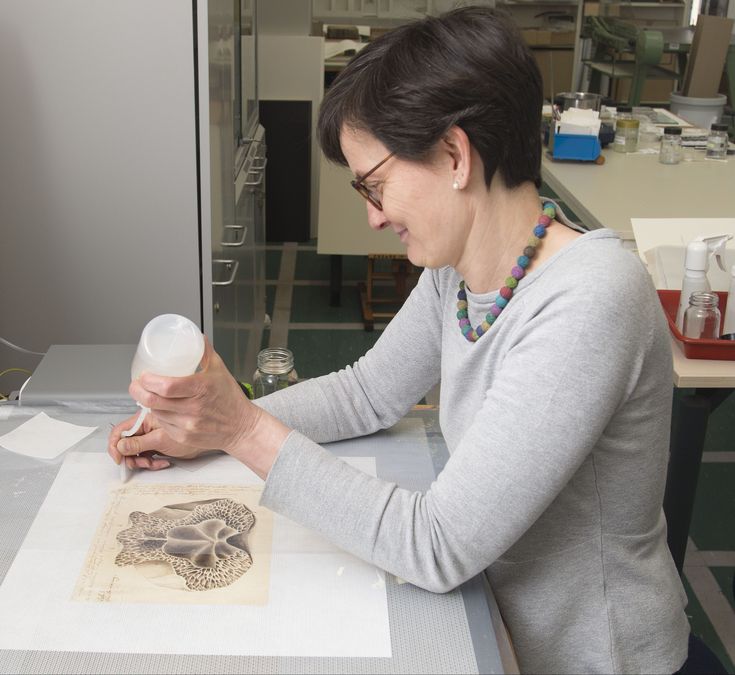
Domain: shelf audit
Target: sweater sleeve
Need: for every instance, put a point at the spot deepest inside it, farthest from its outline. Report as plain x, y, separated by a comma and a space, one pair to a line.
380, 387
526, 441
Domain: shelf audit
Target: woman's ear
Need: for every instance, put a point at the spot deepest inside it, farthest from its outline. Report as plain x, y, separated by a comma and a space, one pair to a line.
456, 145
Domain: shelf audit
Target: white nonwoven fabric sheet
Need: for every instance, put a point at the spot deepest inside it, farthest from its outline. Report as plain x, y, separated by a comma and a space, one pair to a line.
44, 437
322, 602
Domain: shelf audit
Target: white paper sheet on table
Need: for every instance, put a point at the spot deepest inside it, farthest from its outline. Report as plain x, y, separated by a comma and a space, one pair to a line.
44, 437
322, 601
662, 243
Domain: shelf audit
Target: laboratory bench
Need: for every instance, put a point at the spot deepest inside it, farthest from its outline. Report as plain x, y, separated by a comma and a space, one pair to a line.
636, 185
457, 632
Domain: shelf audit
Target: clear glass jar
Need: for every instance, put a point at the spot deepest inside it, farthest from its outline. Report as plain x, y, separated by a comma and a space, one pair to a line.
275, 371
626, 135
717, 142
702, 318
670, 152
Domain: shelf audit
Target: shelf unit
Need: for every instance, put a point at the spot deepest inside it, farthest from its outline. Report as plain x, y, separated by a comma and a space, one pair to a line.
552, 31
380, 12
663, 14
644, 15
541, 14
554, 60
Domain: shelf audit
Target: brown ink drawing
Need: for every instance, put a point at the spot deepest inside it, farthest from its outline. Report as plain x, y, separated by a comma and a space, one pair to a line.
186, 544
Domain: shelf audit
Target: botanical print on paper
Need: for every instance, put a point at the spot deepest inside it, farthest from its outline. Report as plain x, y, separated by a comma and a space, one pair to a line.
207, 548
201, 544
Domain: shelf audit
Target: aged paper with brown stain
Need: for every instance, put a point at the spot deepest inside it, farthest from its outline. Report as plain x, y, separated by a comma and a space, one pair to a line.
104, 578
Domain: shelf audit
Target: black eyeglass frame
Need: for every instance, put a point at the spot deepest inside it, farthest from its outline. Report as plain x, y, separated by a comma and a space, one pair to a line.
364, 190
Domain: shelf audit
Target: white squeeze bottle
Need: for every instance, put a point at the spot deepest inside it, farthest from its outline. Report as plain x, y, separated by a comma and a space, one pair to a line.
698, 255
171, 345
728, 325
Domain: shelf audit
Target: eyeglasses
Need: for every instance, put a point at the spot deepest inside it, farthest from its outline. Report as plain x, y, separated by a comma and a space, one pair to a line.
371, 195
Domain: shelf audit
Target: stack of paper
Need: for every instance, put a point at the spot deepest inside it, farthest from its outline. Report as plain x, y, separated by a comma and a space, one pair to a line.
579, 121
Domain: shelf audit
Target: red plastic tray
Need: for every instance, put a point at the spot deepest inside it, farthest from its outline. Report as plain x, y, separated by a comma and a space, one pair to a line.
719, 350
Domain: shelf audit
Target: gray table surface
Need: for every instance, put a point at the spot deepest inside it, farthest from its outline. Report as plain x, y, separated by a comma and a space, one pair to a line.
637, 186
458, 632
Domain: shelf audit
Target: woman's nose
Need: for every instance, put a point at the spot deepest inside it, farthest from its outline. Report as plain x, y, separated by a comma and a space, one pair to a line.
376, 218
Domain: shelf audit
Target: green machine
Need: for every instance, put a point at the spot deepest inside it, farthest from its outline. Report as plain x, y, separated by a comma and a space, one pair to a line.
614, 42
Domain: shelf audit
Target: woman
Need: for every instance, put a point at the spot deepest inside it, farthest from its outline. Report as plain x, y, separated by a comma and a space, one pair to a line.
551, 348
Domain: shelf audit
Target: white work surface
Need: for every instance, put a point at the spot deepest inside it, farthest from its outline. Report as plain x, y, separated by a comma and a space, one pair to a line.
48, 511
317, 601
637, 186
634, 186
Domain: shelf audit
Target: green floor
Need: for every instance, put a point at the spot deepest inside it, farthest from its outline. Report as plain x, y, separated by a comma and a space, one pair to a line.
325, 338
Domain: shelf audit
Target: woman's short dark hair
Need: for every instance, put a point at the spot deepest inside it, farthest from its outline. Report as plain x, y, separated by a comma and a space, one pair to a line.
469, 67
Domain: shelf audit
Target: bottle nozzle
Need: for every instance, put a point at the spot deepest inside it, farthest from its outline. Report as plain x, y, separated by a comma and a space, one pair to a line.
716, 247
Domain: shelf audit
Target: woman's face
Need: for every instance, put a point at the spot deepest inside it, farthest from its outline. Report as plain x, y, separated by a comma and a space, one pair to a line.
418, 201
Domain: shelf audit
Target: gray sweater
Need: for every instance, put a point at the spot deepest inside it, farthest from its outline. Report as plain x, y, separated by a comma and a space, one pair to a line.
557, 421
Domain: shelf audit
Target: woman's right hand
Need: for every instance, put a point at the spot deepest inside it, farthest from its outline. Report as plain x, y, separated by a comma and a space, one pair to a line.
137, 450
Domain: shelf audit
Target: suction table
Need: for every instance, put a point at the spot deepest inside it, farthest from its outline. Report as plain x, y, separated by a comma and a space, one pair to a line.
458, 632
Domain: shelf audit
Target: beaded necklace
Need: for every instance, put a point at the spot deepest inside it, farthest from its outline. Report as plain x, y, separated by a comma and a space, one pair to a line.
506, 292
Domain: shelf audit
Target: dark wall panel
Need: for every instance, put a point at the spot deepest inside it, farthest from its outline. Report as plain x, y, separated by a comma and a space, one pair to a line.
288, 172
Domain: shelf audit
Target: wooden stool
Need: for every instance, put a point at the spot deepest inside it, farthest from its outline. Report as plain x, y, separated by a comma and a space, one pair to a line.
402, 271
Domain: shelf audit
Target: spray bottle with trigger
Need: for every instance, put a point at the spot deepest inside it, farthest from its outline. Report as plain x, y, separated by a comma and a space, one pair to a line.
698, 255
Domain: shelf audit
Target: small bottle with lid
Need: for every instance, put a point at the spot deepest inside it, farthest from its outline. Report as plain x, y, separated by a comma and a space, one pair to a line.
626, 130
671, 149
717, 142
702, 318
275, 371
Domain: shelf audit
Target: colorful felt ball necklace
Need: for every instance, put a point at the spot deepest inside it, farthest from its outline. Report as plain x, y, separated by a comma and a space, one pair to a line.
506, 292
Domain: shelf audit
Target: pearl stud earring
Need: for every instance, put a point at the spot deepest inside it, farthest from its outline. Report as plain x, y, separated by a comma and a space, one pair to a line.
455, 185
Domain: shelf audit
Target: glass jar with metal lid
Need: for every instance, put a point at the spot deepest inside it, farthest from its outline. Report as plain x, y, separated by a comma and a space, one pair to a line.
626, 134
275, 371
717, 142
671, 151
